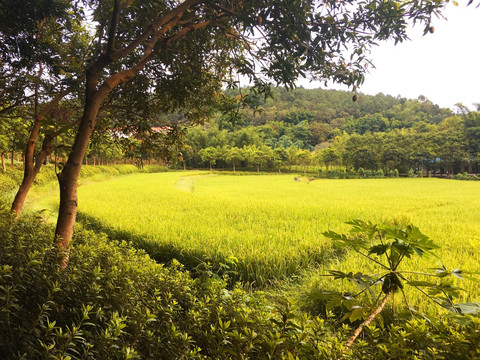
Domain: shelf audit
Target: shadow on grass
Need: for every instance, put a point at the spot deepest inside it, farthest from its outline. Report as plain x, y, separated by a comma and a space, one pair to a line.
251, 272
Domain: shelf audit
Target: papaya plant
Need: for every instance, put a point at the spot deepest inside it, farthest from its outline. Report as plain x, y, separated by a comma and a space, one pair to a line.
387, 248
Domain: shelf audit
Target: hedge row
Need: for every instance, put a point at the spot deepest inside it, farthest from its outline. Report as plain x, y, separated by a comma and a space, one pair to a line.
47, 173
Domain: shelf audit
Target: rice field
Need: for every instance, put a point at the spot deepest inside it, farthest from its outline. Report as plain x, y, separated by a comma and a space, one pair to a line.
263, 228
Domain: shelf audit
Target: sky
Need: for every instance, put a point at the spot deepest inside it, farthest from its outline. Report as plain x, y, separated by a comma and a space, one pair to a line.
443, 66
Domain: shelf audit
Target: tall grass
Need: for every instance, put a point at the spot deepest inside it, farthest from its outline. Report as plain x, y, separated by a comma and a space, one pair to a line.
264, 227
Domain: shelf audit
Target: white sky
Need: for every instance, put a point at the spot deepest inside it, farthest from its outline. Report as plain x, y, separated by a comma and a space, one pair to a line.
443, 66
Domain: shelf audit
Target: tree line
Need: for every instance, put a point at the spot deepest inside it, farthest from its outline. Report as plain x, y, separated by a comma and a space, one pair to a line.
377, 133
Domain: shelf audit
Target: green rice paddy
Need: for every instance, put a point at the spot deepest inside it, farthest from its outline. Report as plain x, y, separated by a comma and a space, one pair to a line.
261, 228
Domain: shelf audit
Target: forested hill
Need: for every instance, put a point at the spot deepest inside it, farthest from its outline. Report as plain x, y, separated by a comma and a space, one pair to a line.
373, 132
338, 109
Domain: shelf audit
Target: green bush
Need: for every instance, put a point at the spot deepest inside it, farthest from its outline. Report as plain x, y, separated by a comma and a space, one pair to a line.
154, 168
46, 175
15, 174
421, 339
89, 170
106, 169
379, 174
361, 172
7, 184
113, 302
464, 176
126, 169
351, 173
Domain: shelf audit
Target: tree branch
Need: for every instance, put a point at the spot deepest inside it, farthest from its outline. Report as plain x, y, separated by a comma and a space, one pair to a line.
126, 75
112, 33
158, 25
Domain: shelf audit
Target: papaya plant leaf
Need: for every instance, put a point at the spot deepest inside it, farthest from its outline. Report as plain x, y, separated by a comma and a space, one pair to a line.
457, 273
379, 249
441, 271
342, 240
445, 287
421, 283
360, 226
468, 308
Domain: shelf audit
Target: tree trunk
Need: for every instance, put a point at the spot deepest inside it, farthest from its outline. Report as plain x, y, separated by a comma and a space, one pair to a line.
4, 168
11, 160
234, 166
68, 177
367, 322
32, 166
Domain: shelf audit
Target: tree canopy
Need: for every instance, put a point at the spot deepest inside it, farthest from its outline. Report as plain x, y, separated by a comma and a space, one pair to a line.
159, 57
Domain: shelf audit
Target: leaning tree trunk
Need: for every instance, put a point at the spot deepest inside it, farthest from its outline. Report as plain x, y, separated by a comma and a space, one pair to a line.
68, 177
33, 165
367, 322
32, 168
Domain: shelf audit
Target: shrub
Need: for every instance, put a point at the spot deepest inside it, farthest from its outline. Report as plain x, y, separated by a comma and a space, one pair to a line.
7, 184
126, 169
15, 174
410, 173
106, 169
113, 302
379, 174
89, 170
46, 175
154, 168
361, 172
351, 173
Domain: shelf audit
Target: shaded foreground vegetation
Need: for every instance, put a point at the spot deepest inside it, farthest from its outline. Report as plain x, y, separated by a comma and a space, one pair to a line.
114, 302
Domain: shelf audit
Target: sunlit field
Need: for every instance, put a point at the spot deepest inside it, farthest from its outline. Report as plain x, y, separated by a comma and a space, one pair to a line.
261, 228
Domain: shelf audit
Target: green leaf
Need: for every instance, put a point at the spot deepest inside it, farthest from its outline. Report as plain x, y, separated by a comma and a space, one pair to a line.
391, 282
468, 308
445, 287
379, 249
343, 240
420, 283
